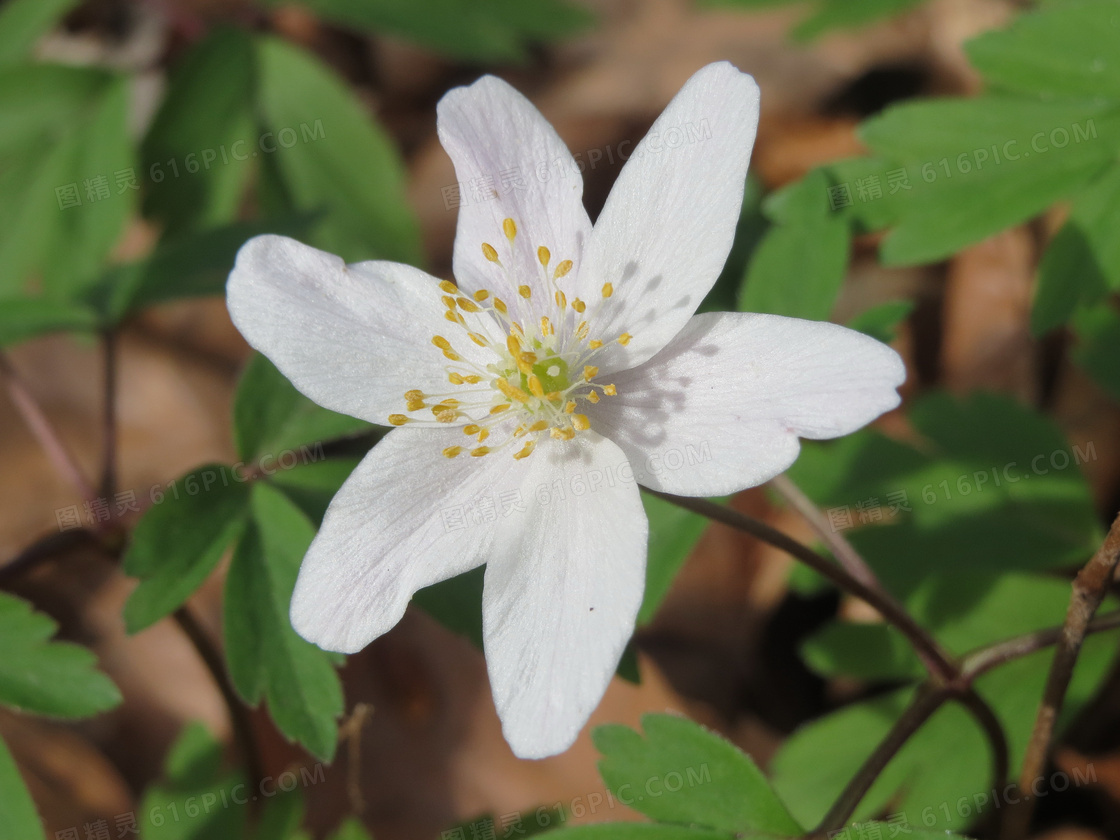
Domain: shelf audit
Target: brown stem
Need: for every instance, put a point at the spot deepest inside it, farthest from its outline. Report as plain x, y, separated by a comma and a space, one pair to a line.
937, 661
1089, 589
109, 445
36, 420
984, 659
927, 701
239, 714
841, 549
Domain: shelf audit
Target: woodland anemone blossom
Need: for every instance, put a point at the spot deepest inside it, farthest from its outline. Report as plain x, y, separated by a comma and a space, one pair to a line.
530, 400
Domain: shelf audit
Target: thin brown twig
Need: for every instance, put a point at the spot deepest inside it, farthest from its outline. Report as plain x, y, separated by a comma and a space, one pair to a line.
1089, 590
36, 420
841, 549
109, 444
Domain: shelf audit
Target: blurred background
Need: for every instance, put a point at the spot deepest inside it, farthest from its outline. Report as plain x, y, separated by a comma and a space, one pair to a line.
421, 748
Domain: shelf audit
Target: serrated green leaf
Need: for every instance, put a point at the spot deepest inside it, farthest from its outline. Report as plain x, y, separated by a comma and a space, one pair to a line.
673, 531
1067, 51
64, 154
979, 166
881, 322
798, 267
24, 22
682, 773
266, 657
271, 417
43, 677
18, 817
338, 162
26, 318
207, 114
180, 540
1083, 261
475, 30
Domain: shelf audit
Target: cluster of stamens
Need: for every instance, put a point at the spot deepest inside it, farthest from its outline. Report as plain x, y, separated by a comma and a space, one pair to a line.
540, 374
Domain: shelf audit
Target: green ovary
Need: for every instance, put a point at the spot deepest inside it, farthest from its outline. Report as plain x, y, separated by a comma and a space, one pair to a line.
553, 374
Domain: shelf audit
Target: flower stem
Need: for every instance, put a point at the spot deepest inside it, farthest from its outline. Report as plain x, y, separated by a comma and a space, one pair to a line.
36, 420
841, 549
1089, 589
937, 661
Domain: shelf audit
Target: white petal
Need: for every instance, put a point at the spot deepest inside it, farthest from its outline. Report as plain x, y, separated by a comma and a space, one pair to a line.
406, 518
563, 586
352, 338
721, 408
504, 150
667, 227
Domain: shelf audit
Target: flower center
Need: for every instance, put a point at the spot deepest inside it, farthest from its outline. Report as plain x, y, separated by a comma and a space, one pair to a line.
539, 376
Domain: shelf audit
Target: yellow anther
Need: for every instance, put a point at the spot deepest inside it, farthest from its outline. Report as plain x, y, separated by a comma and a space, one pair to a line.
546, 326
510, 228
608, 290
455, 378
471, 429
490, 252
448, 301
624, 339
580, 421
594, 344
482, 435
539, 426
452, 451
478, 452
525, 292
513, 344
448, 415
498, 409
449, 404
455, 357
590, 372
473, 379
453, 317
562, 434
562, 269
468, 305
519, 431
441, 342
480, 340
398, 419
526, 450
512, 391
593, 397
610, 390
561, 300
570, 407
448, 287
578, 305
553, 396
527, 358
414, 405
481, 295
414, 394
500, 305
544, 255
581, 330
535, 385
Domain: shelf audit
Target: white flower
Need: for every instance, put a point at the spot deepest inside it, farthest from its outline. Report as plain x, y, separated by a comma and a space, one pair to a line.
565, 368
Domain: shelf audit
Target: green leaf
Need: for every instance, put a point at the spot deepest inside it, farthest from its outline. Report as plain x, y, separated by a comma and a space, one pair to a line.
18, 817
1067, 50
266, 657
682, 773
197, 801
1098, 337
1083, 261
206, 116
837, 14
47, 678
25, 318
312, 485
351, 829
65, 166
180, 540
798, 267
636, 831
978, 166
881, 322
862, 651
330, 157
271, 417
673, 531
24, 22
475, 30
